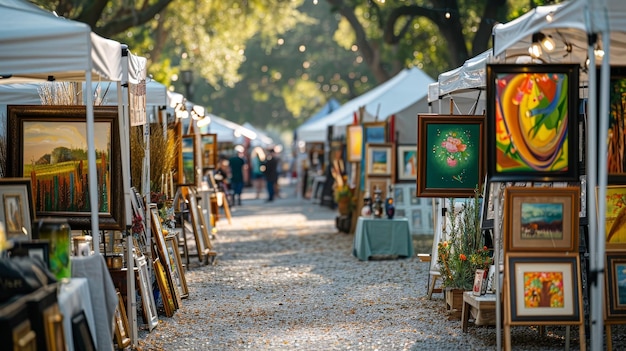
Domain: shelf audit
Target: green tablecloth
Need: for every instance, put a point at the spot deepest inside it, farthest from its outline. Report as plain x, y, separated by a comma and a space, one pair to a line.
382, 236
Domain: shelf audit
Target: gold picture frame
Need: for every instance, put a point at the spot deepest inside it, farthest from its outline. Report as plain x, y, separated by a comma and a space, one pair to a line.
171, 242
164, 287
121, 324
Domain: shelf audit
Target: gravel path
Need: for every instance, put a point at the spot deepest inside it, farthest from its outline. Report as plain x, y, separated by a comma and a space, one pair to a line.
285, 279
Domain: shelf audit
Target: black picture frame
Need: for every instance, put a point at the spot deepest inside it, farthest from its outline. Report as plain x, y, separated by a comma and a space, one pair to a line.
616, 162
32, 248
81, 333
515, 152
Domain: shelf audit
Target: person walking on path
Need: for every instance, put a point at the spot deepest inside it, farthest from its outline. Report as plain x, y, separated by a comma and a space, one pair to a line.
257, 160
271, 174
237, 163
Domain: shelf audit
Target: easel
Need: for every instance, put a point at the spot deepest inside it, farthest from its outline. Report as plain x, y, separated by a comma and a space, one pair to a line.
220, 195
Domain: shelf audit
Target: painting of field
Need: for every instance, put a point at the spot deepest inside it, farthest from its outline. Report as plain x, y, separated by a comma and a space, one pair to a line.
55, 158
542, 221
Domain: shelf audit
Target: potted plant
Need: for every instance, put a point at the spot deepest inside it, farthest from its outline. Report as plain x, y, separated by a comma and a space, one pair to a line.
463, 251
344, 199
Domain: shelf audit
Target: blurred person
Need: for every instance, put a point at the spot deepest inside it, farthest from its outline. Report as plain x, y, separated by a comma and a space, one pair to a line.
221, 175
237, 163
257, 160
271, 174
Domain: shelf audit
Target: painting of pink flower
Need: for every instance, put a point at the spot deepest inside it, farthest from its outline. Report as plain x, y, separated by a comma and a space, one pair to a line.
451, 162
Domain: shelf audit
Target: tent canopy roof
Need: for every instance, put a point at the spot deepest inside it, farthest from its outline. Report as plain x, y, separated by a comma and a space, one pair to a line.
37, 45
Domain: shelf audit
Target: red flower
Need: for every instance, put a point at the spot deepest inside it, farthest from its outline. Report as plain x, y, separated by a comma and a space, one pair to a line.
462, 257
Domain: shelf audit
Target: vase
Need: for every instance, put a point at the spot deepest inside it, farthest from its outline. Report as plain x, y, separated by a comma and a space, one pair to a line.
58, 234
454, 302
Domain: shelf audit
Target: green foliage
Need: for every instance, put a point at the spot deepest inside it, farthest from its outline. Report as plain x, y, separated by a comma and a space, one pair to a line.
464, 251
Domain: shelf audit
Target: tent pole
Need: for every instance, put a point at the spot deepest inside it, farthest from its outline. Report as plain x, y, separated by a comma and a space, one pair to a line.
91, 162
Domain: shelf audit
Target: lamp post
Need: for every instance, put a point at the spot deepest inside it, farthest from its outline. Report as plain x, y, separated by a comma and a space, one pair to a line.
187, 78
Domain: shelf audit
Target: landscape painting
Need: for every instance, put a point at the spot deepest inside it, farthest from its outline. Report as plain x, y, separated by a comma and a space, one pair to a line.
52, 150
542, 221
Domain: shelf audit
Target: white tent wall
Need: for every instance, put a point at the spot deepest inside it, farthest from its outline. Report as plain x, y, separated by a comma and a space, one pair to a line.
570, 25
395, 95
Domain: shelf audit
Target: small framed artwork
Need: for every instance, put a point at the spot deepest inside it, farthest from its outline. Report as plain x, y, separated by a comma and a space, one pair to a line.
354, 143
202, 245
159, 237
400, 213
18, 213
81, 333
540, 219
450, 155
378, 183
32, 248
490, 287
615, 283
480, 282
398, 196
188, 160
50, 148
493, 190
544, 288
150, 316
164, 288
406, 159
414, 200
122, 339
379, 160
533, 125
209, 150
375, 132
615, 210
177, 266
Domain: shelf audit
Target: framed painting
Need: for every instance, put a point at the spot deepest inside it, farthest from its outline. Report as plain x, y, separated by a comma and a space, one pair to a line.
615, 285
81, 334
615, 230
406, 160
164, 288
533, 122
492, 191
32, 248
379, 160
51, 149
18, 211
450, 155
375, 132
122, 339
544, 288
616, 133
354, 143
540, 219
150, 316
159, 237
398, 196
202, 246
378, 183
209, 150
480, 282
188, 159
171, 241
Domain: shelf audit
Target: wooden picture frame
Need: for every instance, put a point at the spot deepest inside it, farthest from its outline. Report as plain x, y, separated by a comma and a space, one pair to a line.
81, 334
533, 122
541, 219
480, 282
139, 214
32, 248
18, 211
379, 159
354, 143
544, 289
164, 287
615, 286
178, 272
406, 162
150, 315
51, 149
450, 155
159, 237
122, 339
490, 286
375, 132
615, 210
201, 245
188, 160
208, 141
616, 160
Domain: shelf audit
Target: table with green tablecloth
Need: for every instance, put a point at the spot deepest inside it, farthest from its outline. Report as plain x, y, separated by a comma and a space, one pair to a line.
382, 237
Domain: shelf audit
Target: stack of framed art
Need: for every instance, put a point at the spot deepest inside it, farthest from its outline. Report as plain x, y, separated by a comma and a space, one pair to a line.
532, 148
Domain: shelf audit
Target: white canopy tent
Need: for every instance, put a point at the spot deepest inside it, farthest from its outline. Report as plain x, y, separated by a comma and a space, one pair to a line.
574, 27
403, 95
36, 45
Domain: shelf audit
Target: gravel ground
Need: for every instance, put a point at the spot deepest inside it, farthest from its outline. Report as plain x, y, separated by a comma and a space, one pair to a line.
285, 279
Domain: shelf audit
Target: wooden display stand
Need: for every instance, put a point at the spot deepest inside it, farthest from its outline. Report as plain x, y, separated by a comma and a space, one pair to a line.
482, 309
